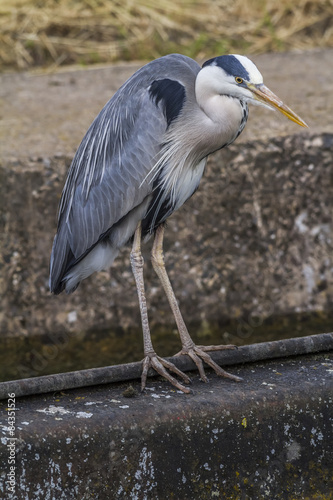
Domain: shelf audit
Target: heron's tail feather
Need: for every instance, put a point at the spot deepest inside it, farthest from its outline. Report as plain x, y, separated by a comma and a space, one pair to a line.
61, 259
68, 270
99, 258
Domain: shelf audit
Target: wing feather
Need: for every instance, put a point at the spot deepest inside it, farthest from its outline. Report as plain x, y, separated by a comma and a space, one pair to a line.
109, 175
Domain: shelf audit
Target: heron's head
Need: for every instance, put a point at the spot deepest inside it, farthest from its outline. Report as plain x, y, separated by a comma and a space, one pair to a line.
237, 76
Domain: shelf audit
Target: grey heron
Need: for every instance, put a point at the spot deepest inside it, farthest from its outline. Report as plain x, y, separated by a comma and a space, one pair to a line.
141, 159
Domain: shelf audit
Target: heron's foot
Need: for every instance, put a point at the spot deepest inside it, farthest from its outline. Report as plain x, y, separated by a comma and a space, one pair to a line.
198, 353
161, 365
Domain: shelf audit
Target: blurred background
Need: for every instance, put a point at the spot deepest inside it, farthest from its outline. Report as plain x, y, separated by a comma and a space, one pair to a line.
54, 33
250, 256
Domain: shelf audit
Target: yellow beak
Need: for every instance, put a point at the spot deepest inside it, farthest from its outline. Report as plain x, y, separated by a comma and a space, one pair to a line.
266, 96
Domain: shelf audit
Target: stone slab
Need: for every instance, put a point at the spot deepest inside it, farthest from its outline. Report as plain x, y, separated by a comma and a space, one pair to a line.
268, 437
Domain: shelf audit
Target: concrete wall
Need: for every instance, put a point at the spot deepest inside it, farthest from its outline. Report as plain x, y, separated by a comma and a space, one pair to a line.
256, 239
266, 438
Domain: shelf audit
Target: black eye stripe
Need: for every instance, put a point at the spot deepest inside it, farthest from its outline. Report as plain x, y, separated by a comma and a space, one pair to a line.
230, 64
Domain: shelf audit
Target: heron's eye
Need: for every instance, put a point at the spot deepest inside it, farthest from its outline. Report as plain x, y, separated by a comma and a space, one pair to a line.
239, 79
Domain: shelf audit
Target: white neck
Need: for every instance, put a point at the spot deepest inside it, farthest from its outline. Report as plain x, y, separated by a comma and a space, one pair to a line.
223, 112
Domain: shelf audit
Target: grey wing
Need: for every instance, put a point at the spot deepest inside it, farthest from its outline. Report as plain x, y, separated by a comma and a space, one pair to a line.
109, 173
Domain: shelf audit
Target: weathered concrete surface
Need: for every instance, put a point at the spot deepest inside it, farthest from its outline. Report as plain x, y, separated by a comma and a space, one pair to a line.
266, 438
311, 344
256, 240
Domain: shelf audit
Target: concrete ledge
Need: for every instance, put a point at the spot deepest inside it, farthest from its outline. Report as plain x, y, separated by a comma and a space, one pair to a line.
121, 373
266, 438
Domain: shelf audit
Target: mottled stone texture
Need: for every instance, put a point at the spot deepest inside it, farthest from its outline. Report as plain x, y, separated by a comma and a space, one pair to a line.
266, 438
255, 240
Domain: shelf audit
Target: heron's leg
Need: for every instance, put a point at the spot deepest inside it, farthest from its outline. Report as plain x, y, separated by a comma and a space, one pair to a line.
196, 353
150, 359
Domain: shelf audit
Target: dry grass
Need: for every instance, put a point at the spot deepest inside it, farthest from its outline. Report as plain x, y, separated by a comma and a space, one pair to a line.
52, 33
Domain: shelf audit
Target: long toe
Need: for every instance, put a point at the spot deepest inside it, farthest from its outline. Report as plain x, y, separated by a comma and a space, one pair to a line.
199, 364
161, 365
199, 354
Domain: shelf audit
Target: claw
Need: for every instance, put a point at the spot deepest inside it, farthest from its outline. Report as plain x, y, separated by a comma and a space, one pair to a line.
196, 352
160, 365
198, 363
